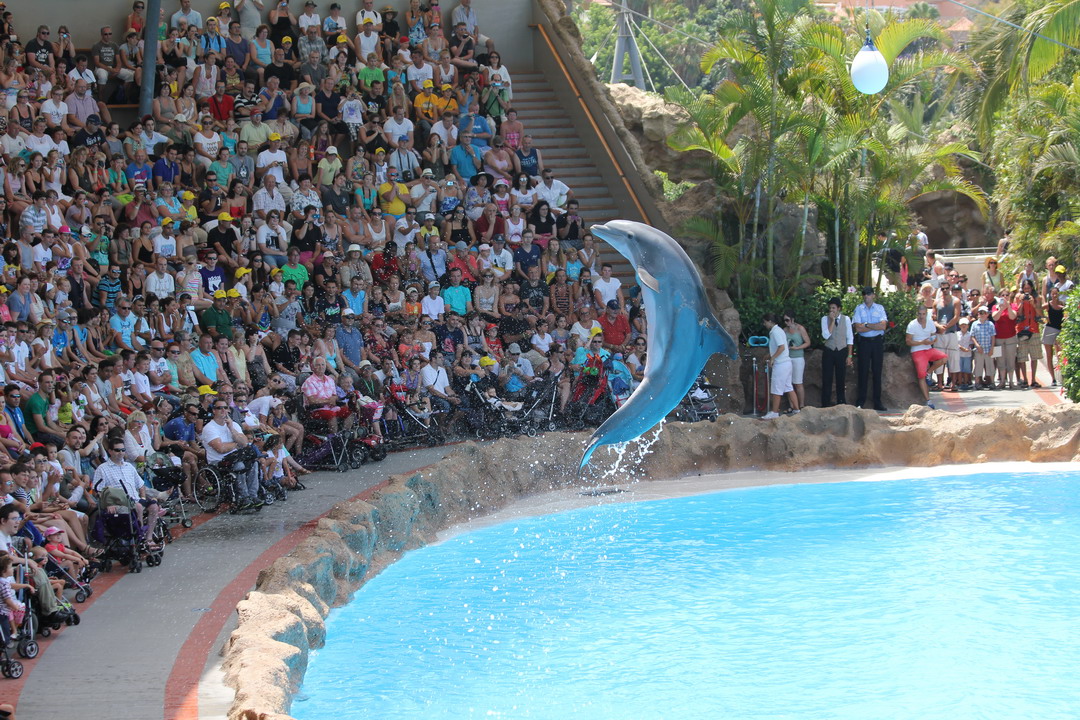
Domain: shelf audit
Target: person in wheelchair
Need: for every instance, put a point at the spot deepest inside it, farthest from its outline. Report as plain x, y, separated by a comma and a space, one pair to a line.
223, 438
321, 396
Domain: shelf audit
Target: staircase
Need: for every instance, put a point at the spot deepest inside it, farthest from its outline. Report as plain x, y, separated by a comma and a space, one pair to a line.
565, 153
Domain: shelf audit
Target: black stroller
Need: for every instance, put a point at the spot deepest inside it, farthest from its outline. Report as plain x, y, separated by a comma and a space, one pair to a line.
122, 536
699, 403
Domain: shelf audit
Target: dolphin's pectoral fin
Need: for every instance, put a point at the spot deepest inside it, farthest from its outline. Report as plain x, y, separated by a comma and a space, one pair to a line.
715, 339
646, 278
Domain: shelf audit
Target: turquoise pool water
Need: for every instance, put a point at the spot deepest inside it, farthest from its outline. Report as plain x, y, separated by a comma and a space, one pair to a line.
948, 598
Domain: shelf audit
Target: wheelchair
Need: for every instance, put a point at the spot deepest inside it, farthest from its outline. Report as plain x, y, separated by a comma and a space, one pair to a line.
215, 484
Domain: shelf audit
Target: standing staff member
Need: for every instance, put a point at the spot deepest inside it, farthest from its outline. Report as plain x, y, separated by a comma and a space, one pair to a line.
836, 358
780, 364
870, 321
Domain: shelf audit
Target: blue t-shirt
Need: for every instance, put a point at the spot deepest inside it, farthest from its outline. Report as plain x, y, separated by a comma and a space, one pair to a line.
207, 364
124, 327
356, 302
528, 258
457, 298
179, 429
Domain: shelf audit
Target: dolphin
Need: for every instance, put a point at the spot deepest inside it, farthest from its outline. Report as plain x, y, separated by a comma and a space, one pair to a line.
683, 333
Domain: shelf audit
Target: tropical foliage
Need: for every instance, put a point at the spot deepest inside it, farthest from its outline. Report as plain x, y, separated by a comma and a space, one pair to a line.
808, 137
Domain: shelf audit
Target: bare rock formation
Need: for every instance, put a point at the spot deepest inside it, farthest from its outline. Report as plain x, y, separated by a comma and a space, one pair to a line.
282, 619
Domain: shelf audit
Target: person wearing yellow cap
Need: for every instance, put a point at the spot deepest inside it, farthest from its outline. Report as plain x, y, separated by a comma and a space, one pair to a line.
207, 390
425, 109
216, 319
224, 238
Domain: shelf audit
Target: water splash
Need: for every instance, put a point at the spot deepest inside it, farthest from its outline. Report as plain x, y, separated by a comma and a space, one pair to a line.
630, 455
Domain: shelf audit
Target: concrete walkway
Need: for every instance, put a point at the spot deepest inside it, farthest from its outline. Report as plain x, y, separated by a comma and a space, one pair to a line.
148, 646
143, 639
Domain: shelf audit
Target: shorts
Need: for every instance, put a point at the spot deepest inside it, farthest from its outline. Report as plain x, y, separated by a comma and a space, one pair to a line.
965, 364
949, 344
798, 365
924, 359
1028, 348
780, 379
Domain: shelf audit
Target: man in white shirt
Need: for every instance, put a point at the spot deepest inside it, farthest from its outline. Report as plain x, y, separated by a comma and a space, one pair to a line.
433, 305
417, 73
502, 260
434, 381
268, 198
272, 160
555, 192
396, 126
118, 473
221, 437
920, 337
779, 368
607, 288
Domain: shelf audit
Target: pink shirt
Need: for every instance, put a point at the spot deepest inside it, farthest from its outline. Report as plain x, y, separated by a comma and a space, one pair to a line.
316, 388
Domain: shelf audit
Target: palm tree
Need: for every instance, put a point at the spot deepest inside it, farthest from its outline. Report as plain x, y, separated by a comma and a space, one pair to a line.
922, 10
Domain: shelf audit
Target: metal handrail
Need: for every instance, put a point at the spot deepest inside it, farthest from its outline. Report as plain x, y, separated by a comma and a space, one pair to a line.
592, 120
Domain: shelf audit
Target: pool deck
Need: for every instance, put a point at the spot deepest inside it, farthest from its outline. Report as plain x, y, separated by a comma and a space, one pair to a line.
149, 643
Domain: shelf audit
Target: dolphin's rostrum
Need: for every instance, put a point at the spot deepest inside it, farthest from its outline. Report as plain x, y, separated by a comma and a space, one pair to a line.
683, 333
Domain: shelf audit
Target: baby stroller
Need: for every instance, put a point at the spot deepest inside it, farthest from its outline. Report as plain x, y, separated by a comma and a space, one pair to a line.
122, 536
10, 667
411, 427
699, 403
34, 621
590, 399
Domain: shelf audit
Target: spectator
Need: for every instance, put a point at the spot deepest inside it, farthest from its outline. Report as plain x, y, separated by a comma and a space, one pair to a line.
920, 337
779, 363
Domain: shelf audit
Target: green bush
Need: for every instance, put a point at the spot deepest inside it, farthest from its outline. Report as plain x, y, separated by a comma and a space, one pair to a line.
810, 306
1070, 347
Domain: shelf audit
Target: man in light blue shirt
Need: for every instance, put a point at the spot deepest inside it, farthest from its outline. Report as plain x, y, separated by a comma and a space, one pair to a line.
123, 323
355, 295
457, 297
870, 322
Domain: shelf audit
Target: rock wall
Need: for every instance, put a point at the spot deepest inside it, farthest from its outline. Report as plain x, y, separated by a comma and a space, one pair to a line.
282, 619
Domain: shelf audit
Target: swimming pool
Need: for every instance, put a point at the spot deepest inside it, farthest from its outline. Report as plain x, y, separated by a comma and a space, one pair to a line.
951, 597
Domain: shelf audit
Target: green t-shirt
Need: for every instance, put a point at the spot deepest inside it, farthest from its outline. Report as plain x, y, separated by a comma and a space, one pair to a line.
298, 273
37, 405
369, 75
220, 319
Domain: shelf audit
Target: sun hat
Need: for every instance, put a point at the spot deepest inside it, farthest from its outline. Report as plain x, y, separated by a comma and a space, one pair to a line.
988, 260
363, 364
207, 390
354, 248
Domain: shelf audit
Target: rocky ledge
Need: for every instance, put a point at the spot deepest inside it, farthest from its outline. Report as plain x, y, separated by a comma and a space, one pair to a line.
281, 620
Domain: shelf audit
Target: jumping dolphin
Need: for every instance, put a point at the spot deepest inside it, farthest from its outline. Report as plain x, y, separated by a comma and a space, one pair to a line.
683, 332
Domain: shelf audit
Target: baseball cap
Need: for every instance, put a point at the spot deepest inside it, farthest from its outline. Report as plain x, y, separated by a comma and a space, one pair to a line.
286, 39
233, 293
167, 222
223, 5
224, 217
332, 150
354, 248
207, 390
428, 83
93, 119
402, 138
64, 229
347, 312
461, 245
85, 231
486, 361
220, 294
965, 321
613, 304
514, 349
342, 38
241, 272
380, 150
433, 284
484, 246
275, 136
1060, 269
187, 195
429, 216
596, 331
428, 172
447, 86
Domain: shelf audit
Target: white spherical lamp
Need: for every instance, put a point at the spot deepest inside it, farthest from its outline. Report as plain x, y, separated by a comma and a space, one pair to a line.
869, 71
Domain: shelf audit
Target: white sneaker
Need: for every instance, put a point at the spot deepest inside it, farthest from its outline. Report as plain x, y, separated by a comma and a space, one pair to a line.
770, 416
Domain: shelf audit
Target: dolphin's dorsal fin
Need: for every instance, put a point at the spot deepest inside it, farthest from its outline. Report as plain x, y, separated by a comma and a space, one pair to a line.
646, 278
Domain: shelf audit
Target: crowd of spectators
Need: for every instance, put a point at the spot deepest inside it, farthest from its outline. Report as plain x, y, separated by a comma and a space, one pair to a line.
984, 333
317, 207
